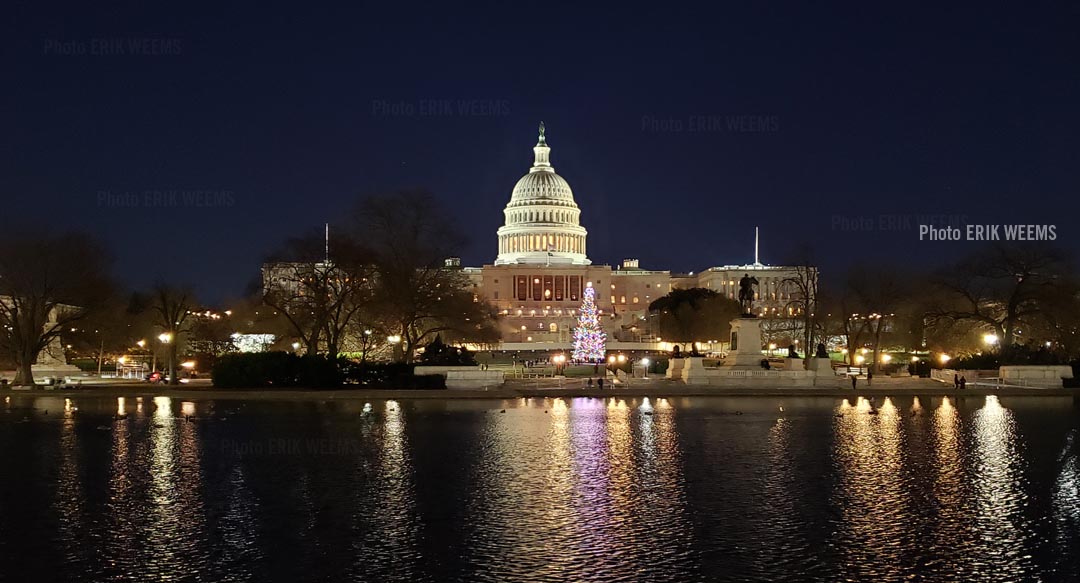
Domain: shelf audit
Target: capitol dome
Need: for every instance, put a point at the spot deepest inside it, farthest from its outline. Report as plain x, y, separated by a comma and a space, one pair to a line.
542, 221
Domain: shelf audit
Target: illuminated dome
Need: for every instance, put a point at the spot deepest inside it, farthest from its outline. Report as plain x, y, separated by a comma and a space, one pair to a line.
542, 222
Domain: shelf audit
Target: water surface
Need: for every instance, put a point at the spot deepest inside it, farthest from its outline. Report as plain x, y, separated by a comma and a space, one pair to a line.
682, 489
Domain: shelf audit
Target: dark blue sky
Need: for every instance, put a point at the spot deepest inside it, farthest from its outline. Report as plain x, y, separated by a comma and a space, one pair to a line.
267, 121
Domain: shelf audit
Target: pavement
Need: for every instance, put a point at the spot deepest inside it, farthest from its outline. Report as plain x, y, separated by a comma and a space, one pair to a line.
548, 387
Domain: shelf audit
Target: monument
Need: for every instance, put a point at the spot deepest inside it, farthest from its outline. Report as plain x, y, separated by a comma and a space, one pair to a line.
745, 330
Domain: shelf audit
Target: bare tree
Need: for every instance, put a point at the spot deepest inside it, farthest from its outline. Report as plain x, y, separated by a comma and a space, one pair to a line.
411, 237
47, 283
171, 308
322, 291
803, 282
880, 293
1001, 288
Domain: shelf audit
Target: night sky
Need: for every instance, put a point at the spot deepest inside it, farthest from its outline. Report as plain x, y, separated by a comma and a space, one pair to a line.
679, 128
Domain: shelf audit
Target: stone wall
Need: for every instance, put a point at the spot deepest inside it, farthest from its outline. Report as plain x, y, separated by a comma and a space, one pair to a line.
1048, 377
464, 377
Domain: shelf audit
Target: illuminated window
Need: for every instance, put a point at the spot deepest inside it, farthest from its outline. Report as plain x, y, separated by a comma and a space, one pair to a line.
553, 327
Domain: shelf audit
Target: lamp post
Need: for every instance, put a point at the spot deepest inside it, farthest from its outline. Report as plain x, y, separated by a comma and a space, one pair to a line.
560, 362
166, 338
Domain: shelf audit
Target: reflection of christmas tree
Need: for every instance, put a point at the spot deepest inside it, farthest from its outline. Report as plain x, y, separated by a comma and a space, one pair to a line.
589, 338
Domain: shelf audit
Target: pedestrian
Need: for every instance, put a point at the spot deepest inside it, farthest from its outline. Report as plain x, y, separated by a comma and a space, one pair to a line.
600, 383
854, 379
869, 377
590, 382
963, 383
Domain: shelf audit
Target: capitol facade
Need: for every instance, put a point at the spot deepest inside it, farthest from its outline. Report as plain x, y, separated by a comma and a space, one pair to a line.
542, 266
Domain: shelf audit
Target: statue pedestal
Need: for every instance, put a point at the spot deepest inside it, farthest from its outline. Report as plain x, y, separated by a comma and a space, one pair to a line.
745, 344
794, 364
674, 369
821, 365
693, 373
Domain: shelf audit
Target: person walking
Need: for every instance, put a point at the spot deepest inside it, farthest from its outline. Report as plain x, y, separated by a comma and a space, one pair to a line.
956, 381
854, 379
600, 383
963, 383
869, 377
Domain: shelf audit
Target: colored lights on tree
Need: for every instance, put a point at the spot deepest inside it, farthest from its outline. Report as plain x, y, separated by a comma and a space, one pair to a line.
589, 337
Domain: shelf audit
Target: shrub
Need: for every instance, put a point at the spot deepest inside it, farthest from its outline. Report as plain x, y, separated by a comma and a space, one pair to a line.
391, 375
1016, 354
276, 370
440, 354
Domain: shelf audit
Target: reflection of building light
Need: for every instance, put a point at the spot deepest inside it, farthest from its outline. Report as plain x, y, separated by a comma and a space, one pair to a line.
164, 407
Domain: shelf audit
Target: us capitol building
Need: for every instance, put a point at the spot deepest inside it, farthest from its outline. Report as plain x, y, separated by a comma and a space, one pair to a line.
542, 266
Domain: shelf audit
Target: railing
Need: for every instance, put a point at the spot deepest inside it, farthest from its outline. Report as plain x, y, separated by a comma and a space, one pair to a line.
757, 374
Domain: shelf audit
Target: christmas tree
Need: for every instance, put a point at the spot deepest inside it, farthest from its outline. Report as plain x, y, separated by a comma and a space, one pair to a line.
589, 338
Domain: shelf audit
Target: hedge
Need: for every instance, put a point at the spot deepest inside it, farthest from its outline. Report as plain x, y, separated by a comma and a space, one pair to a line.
276, 370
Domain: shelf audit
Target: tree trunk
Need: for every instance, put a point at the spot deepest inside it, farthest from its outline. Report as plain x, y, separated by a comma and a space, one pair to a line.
173, 379
24, 375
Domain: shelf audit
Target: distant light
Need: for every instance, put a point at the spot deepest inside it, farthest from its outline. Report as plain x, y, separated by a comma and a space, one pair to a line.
990, 339
944, 358
165, 337
190, 364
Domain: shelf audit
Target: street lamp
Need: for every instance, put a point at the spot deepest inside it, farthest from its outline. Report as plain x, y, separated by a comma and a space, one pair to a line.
645, 363
990, 339
560, 362
166, 338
